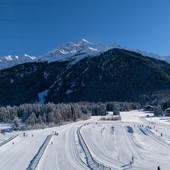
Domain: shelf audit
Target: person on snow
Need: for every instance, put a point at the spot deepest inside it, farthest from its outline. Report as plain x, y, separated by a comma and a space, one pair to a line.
132, 159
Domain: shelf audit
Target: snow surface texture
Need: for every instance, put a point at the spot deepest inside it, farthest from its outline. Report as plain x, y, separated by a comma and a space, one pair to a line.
111, 143
73, 51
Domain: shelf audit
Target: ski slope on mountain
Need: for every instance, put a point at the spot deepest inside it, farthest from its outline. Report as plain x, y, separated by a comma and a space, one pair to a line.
146, 140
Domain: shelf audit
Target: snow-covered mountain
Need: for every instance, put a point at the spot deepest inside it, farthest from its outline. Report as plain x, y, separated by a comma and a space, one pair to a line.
116, 75
164, 58
144, 53
70, 51
153, 55
73, 51
11, 60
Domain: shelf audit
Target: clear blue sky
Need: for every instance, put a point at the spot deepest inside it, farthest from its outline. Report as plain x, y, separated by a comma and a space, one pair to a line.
37, 26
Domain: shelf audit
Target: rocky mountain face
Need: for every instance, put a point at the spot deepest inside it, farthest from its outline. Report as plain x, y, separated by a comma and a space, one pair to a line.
108, 75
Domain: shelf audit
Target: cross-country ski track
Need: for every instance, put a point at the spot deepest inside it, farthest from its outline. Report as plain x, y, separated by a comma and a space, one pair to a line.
111, 144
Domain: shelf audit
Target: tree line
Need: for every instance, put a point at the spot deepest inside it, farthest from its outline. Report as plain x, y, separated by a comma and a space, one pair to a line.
50, 114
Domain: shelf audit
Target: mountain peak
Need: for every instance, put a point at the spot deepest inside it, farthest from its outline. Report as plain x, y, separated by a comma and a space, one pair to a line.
82, 43
74, 50
84, 40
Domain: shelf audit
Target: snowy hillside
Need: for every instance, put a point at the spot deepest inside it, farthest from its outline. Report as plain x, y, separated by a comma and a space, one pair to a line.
70, 51
134, 143
76, 51
165, 58
153, 55
73, 51
62, 81
144, 53
11, 60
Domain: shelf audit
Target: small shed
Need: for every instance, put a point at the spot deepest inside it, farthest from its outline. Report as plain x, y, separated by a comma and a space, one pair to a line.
167, 112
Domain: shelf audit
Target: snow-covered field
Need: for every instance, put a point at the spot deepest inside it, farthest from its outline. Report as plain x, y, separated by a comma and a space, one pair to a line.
112, 144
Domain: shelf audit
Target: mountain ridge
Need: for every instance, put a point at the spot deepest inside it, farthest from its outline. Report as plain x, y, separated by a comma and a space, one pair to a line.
114, 75
74, 51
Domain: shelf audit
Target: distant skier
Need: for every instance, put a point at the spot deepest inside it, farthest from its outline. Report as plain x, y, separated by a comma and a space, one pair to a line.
132, 159
130, 164
113, 128
159, 168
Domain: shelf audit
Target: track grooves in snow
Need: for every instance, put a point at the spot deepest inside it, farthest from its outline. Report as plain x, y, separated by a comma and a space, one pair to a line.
133, 149
73, 150
92, 163
157, 139
8, 140
34, 162
110, 142
99, 152
62, 146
